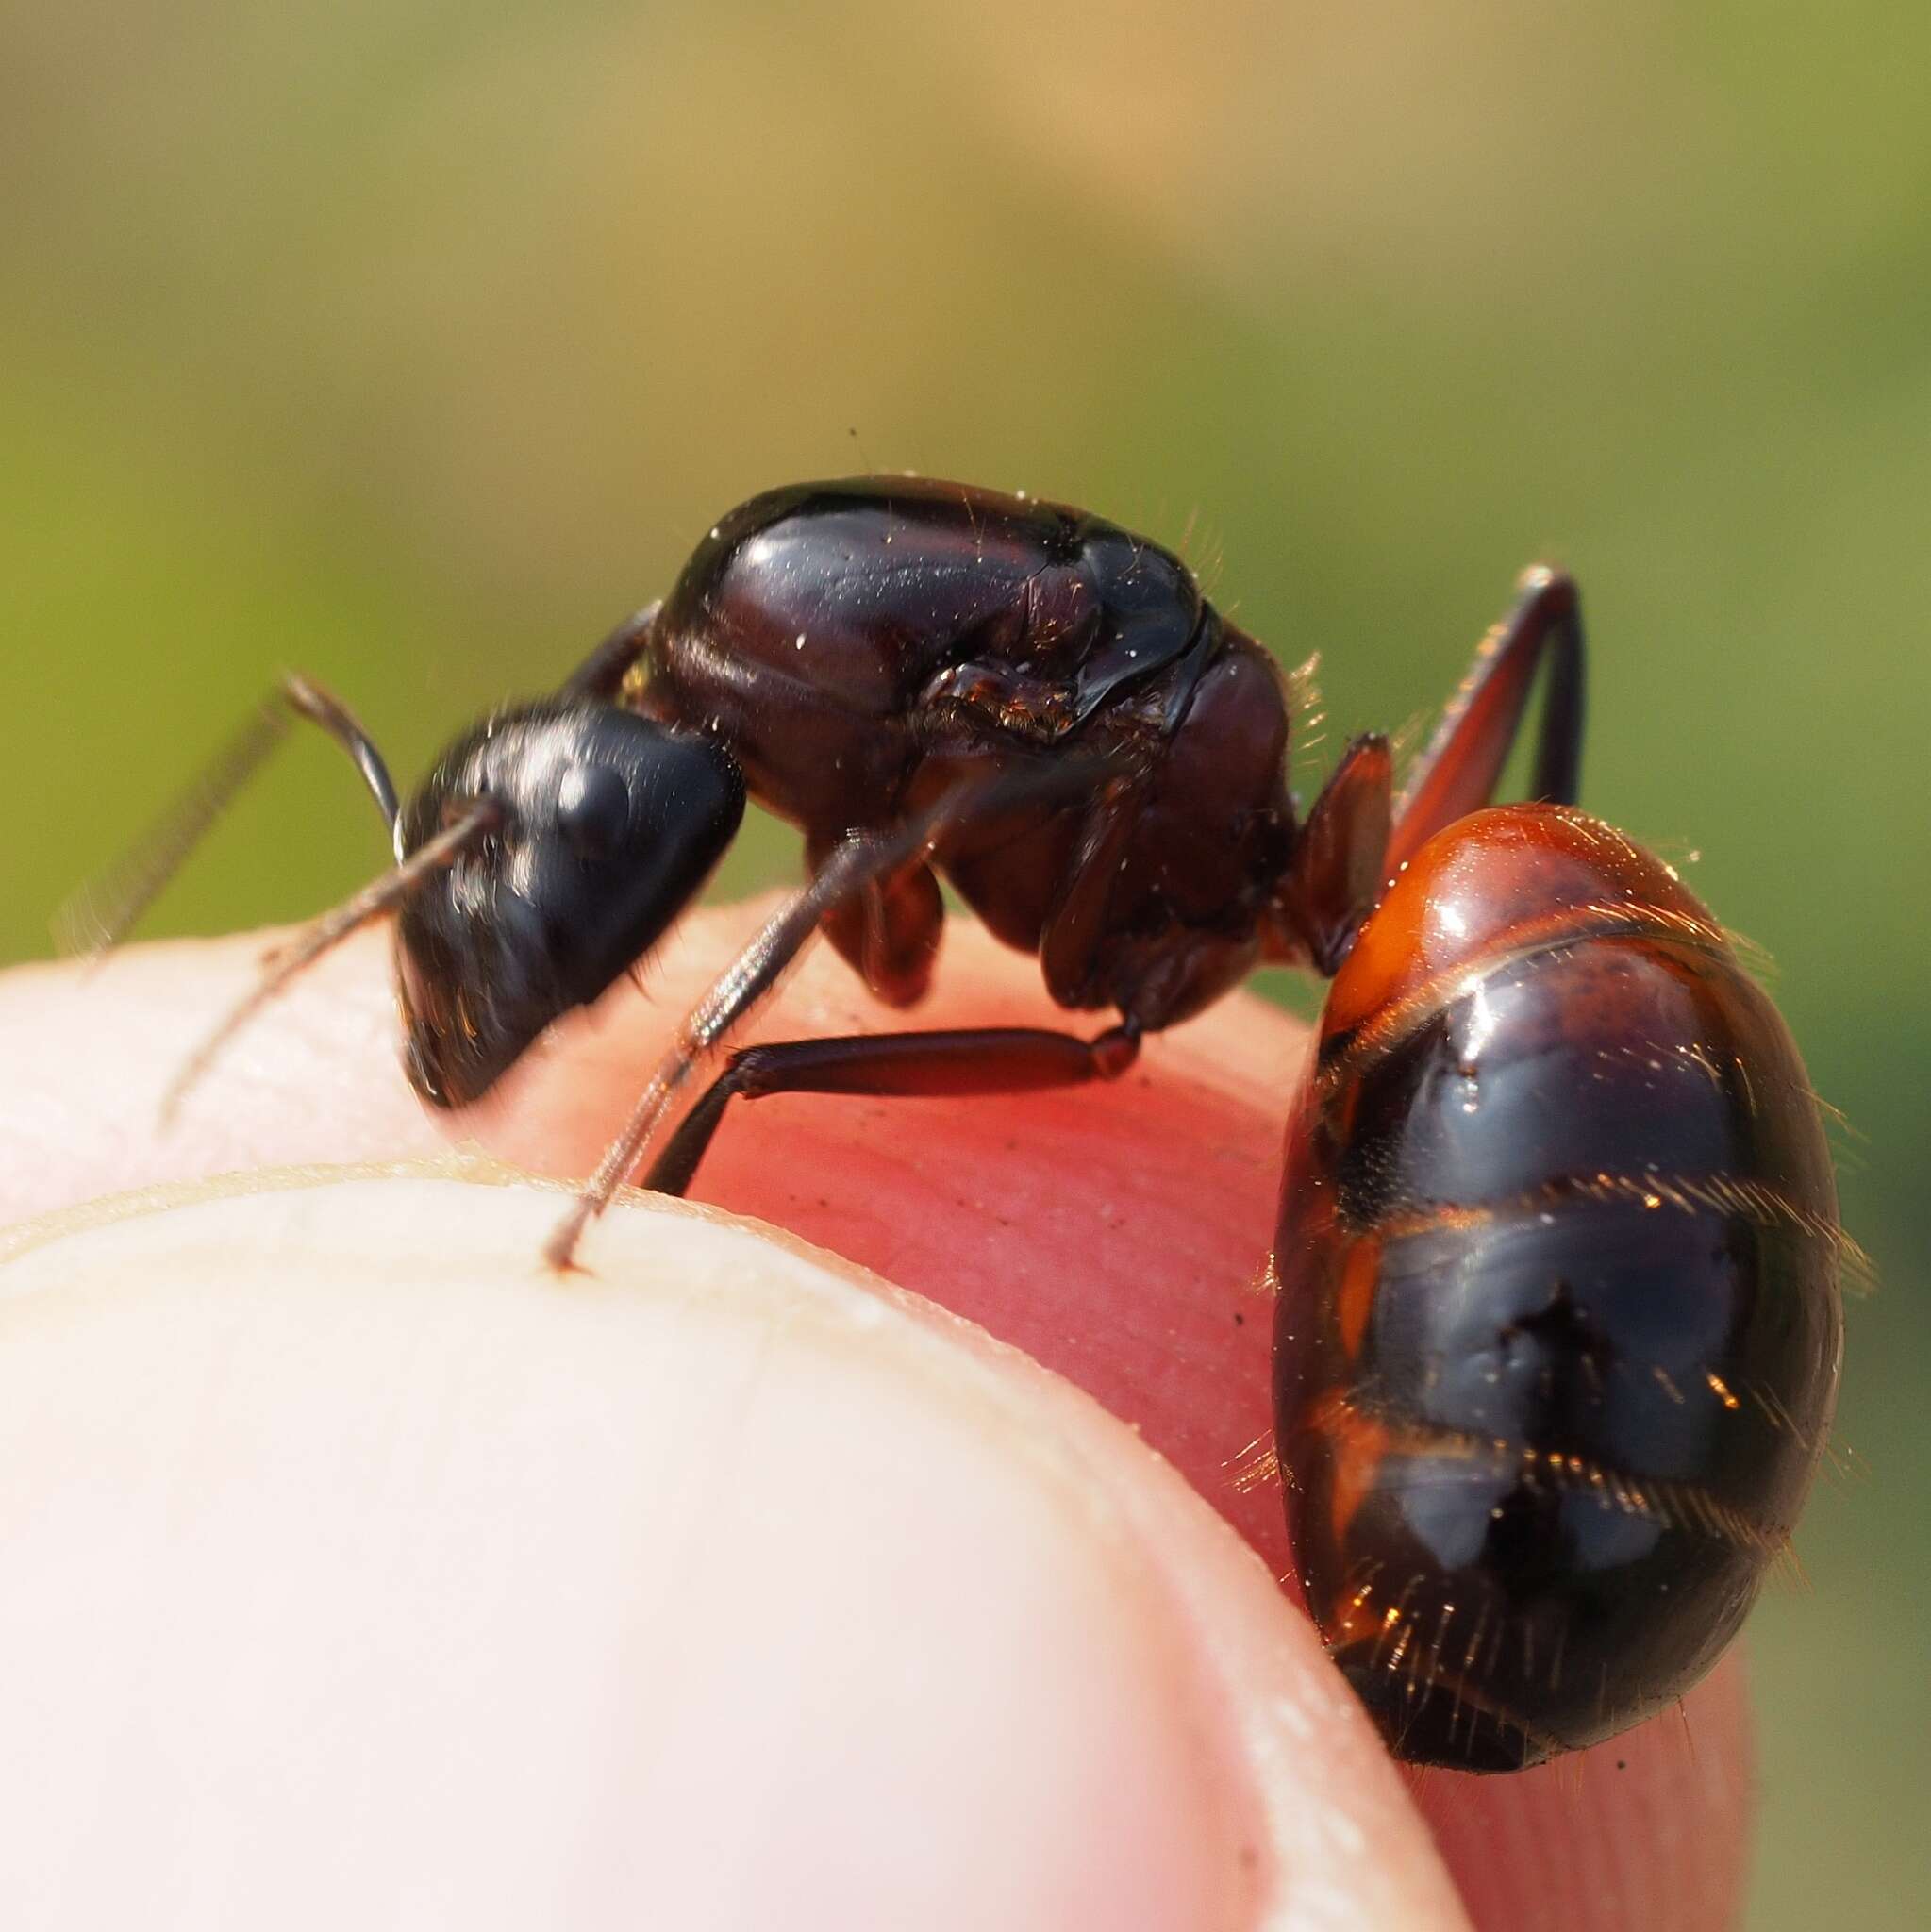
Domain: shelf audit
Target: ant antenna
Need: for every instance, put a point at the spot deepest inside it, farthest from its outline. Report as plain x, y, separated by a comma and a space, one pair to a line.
102, 913
863, 859
470, 818
325, 708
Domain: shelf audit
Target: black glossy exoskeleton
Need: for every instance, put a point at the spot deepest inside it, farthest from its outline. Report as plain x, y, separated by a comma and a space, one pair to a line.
1557, 1335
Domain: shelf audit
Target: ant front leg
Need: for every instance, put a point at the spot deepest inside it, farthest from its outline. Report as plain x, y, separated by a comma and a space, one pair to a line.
889, 932
842, 879
1462, 764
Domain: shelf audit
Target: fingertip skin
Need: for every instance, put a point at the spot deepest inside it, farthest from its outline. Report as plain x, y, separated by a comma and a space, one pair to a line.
725, 1586
1117, 1235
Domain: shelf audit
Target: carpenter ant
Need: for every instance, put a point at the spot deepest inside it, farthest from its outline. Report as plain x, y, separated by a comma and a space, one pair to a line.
1558, 1336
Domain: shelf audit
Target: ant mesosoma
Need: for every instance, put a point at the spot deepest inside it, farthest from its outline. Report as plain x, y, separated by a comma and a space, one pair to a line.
1559, 1329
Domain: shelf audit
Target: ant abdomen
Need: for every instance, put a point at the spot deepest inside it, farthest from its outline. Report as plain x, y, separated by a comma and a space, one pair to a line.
1559, 1322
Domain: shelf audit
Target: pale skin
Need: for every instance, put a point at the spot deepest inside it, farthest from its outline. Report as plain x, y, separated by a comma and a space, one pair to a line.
1115, 1234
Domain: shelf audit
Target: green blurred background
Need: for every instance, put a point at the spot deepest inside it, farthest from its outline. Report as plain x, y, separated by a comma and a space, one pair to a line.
412, 342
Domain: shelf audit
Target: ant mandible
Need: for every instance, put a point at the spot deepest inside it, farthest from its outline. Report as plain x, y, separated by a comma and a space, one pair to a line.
1557, 1339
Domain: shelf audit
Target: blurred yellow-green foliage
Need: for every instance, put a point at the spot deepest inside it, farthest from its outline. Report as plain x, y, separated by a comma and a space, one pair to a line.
412, 342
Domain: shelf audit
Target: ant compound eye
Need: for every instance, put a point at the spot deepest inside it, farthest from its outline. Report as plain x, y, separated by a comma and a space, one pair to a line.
593, 810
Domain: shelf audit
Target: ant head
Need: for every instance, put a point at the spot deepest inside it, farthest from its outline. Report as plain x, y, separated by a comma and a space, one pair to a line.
601, 827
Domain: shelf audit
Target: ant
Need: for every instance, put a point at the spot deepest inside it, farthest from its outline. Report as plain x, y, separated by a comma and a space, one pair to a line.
1559, 1335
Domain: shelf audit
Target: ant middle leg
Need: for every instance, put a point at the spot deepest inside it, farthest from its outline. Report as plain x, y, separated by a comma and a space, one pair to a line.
843, 878
969, 1060
1340, 861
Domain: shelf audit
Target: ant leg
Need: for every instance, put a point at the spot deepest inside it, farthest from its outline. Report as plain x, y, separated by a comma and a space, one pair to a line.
889, 933
980, 1059
1077, 926
1458, 771
602, 673
845, 875
1339, 860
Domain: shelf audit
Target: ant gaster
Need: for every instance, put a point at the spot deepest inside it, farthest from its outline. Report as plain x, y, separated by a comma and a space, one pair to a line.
1557, 1342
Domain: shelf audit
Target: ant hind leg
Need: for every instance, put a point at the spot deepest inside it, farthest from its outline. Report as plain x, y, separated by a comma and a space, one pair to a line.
969, 1060
1458, 771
